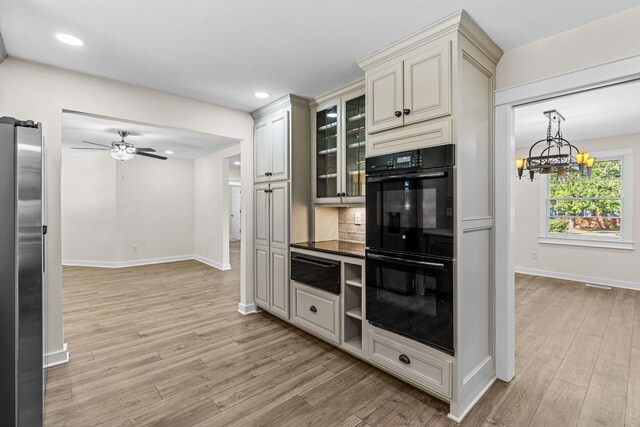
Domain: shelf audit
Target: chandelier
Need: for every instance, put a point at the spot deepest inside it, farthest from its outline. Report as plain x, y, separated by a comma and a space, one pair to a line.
557, 155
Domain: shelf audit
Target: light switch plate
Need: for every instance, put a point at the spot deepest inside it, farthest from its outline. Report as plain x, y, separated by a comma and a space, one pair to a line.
358, 218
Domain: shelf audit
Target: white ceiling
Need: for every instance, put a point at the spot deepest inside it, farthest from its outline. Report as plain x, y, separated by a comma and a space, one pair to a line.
184, 144
222, 52
610, 111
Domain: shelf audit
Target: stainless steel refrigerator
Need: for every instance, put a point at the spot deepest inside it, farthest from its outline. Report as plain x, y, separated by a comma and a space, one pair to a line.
21, 273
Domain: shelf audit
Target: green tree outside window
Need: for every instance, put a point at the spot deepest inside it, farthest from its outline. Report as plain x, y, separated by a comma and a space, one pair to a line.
587, 206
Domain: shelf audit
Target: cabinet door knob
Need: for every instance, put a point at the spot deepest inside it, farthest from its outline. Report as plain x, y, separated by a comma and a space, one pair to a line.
404, 359
337, 194
407, 111
398, 113
343, 195
313, 309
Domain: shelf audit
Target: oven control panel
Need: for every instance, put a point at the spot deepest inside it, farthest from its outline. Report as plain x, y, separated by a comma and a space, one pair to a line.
425, 158
404, 161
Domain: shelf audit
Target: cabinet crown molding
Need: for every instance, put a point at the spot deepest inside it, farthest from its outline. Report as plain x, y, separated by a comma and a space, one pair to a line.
343, 90
279, 104
458, 21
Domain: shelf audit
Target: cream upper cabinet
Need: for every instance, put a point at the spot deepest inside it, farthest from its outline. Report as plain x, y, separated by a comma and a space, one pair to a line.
427, 85
385, 98
414, 89
279, 155
261, 151
339, 143
271, 148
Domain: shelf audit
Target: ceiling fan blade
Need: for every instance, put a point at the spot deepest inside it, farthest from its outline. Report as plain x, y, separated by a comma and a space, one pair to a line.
153, 156
87, 148
149, 150
95, 143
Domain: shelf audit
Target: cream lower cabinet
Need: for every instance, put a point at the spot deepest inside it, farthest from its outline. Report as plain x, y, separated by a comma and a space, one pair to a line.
271, 254
316, 310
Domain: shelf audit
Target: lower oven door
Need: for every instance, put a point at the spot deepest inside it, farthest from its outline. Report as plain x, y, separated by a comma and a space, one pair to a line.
412, 296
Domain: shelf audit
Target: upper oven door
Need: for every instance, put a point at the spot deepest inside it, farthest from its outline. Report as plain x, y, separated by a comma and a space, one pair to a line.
411, 213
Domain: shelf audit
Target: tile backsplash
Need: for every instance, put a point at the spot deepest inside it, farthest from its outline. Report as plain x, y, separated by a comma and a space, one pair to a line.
347, 228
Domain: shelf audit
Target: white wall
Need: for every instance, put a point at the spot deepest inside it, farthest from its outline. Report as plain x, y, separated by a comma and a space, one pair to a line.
211, 198
605, 40
88, 206
41, 93
154, 207
609, 265
109, 206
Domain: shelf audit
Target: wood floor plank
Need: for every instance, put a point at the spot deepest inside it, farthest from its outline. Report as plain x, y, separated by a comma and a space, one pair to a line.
519, 405
577, 366
560, 406
606, 399
632, 412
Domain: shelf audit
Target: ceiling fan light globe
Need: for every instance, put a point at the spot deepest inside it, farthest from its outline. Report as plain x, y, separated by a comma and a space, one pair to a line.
122, 155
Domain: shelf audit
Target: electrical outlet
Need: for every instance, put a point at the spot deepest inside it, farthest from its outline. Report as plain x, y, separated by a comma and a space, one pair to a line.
134, 248
534, 255
358, 218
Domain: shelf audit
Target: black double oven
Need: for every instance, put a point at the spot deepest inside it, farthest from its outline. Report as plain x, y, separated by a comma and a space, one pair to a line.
410, 244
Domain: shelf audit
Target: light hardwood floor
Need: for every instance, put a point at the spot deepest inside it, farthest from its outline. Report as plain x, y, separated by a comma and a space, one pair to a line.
164, 345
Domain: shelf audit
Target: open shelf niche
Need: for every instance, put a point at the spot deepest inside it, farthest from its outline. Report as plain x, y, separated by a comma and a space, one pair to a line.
353, 310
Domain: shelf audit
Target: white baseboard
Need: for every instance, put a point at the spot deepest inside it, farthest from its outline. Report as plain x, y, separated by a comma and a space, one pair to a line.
579, 278
247, 308
212, 263
57, 357
121, 264
149, 261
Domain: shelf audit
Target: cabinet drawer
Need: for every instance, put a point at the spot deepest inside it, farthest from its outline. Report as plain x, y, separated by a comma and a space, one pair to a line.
430, 372
317, 311
413, 137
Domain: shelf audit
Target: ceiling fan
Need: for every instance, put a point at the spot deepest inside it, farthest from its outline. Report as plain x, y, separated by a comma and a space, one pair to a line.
122, 150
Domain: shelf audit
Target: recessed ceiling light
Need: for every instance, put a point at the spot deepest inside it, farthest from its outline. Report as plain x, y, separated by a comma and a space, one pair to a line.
70, 40
236, 163
261, 95
168, 152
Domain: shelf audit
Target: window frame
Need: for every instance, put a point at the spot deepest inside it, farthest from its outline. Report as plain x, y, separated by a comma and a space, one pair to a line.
625, 241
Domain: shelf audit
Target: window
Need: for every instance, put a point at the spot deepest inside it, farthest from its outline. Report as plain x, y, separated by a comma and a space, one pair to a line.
595, 211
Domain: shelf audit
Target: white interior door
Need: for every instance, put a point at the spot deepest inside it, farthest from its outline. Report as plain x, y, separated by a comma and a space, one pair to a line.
235, 212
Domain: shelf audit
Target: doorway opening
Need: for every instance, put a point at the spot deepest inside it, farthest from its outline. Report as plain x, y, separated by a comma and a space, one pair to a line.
235, 210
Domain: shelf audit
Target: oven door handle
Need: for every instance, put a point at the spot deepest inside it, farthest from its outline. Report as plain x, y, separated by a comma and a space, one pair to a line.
319, 264
437, 265
408, 176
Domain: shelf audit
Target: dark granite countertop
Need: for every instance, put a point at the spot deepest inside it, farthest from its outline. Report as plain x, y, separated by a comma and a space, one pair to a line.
338, 247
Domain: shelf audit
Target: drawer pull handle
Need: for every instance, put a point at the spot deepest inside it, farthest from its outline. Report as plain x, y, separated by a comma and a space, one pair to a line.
313, 309
398, 113
404, 359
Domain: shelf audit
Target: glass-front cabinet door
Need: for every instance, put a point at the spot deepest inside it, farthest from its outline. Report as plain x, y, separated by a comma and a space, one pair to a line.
339, 154
326, 153
353, 168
